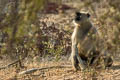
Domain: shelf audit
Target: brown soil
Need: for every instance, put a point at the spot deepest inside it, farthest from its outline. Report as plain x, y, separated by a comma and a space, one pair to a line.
58, 70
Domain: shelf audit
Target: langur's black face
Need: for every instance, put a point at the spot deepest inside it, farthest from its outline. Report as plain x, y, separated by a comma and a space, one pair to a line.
79, 16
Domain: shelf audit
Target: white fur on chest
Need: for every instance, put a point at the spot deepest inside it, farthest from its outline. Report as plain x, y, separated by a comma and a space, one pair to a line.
77, 35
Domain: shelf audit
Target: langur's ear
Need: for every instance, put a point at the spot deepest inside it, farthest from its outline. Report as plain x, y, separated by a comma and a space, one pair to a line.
88, 15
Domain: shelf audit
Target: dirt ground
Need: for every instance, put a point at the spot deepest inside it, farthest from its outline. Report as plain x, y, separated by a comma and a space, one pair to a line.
58, 70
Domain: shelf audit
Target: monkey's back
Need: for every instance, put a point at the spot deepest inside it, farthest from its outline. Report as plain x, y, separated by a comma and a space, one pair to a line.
88, 40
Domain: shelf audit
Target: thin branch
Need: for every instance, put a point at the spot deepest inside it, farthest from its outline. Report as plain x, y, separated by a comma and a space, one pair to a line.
35, 69
4, 67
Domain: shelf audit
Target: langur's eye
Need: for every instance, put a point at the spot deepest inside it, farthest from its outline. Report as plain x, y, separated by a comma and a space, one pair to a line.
78, 13
77, 19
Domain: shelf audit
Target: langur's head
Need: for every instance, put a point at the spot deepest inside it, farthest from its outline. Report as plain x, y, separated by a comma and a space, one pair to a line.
81, 17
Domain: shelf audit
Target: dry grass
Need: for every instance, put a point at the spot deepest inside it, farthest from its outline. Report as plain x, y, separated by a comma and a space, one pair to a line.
59, 73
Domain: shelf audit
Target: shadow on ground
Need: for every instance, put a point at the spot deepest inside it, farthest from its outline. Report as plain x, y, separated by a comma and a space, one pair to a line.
115, 67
